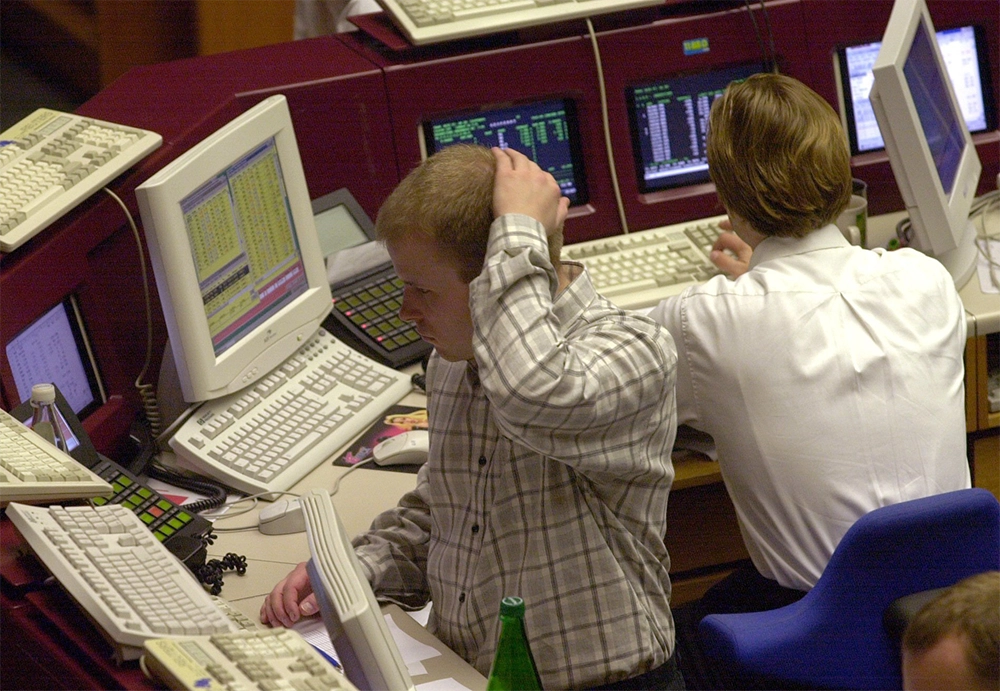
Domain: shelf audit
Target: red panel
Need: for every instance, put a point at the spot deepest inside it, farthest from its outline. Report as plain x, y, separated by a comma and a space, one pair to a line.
832, 25
643, 54
429, 83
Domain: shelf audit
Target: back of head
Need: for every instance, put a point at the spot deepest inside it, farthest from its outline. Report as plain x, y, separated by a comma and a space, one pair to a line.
970, 612
448, 197
778, 155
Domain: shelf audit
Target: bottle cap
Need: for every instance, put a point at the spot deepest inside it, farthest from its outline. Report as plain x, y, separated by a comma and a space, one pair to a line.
43, 393
512, 606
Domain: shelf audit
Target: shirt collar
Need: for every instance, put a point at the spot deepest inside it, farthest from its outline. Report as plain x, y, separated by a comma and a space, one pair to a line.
827, 237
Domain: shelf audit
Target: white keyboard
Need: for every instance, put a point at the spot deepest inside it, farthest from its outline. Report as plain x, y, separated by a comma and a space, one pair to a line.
639, 269
433, 21
32, 470
51, 161
119, 573
268, 436
269, 660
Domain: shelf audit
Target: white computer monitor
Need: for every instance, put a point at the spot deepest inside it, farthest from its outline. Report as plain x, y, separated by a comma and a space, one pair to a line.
353, 618
926, 138
235, 252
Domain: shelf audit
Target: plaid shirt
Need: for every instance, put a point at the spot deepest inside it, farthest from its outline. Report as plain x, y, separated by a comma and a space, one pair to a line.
548, 477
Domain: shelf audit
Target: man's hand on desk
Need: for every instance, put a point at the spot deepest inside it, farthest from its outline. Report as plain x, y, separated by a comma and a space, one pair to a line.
736, 261
291, 599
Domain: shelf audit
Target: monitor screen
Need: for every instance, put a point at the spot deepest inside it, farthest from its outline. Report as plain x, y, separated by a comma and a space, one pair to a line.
54, 348
964, 52
669, 121
235, 253
926, 138
545, 131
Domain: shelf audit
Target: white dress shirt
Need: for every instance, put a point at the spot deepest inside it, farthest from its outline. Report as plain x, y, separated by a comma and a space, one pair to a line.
832, 380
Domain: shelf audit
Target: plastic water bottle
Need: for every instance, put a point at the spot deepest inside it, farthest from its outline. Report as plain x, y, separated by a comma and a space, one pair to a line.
44, 421
513, 666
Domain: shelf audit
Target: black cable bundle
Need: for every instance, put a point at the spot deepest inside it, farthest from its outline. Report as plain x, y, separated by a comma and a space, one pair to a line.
210, 573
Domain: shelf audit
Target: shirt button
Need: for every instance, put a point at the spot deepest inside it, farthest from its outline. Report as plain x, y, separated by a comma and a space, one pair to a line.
461, 598
475, 529
482, 460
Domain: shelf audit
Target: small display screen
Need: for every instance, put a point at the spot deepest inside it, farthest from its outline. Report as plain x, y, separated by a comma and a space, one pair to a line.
967, 69
53, 349
243, 242
669, 122
545, 131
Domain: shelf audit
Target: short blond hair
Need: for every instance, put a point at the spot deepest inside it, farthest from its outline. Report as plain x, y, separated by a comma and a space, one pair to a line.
448, 197
778, 155
971, 610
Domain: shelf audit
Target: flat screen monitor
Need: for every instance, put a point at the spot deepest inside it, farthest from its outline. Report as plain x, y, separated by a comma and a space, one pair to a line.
235, 252
545, 131
669, 121
964, 51
926, 139
55, 349
353, 618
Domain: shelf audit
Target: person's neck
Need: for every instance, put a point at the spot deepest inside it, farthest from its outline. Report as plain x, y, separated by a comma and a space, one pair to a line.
746, 232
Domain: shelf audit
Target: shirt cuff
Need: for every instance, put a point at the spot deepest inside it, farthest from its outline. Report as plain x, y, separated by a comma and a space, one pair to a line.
516, 231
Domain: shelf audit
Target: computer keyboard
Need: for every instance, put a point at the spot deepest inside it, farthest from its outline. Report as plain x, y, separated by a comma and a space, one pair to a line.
51, 161
122, 577
32, 470
268, 436
639, 269
365, 315
269, 660
433, 21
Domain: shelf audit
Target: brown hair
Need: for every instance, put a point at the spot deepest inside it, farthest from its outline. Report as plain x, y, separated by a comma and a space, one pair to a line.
778, 155
970, 609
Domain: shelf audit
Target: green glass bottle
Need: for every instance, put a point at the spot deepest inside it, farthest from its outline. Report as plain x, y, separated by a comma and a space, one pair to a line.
513, 666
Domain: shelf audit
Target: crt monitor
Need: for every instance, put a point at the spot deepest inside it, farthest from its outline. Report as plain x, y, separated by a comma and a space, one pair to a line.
668, 120
928, 144
235, 252
545, 131
964, 51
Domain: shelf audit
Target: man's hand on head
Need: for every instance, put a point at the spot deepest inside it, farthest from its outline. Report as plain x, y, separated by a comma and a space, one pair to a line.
522, 187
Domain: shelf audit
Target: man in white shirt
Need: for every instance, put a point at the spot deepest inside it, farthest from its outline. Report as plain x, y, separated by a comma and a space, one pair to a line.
830, 377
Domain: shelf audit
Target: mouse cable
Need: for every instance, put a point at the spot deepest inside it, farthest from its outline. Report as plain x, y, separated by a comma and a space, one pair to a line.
254, 499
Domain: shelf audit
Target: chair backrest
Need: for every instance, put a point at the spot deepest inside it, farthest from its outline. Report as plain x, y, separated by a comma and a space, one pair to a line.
834, 636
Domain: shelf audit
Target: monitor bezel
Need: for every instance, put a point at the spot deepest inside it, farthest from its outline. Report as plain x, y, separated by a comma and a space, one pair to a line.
203, 375
428, 145
932, 211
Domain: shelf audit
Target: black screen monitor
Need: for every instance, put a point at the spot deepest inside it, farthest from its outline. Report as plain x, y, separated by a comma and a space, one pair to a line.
669, 121
545, 131
964, 52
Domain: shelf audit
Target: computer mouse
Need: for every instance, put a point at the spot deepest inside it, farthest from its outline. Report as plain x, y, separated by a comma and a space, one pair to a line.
280, 518
408, 448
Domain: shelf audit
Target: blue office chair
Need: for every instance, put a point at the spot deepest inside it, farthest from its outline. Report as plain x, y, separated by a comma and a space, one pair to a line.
834, 636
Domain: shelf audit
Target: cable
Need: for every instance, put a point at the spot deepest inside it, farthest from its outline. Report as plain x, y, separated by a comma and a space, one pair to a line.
147, 393
217, 494
210, 573
231, 514
336, 484
770, 37
607, 127
756, 32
